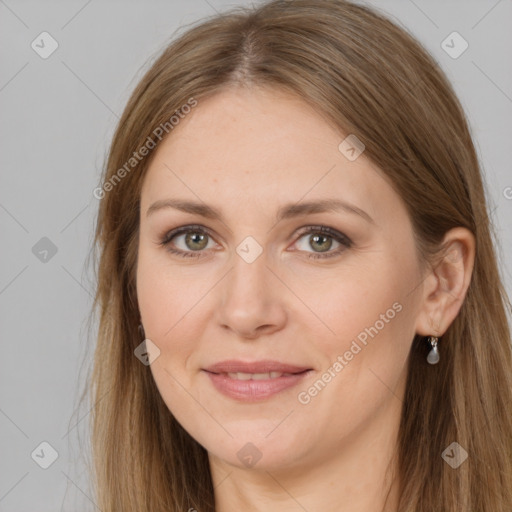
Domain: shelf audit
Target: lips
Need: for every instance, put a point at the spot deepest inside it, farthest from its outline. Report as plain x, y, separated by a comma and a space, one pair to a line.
256, 381
256, 368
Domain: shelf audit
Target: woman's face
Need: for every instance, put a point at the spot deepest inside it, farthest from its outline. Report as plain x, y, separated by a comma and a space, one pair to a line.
258, 282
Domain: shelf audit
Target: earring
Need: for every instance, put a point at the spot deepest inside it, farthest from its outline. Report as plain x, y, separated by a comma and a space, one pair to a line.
433, 355
142, 334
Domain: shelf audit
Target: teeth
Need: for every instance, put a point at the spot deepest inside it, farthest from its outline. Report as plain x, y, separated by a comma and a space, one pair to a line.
256, 376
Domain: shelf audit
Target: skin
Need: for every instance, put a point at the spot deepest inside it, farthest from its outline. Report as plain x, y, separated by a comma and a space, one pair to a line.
247, 152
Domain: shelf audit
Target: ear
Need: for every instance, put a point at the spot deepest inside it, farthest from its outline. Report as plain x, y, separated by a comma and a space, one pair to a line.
446, 284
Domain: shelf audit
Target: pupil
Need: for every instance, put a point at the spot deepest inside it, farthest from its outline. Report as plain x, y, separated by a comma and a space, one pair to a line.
196, 238
317, 237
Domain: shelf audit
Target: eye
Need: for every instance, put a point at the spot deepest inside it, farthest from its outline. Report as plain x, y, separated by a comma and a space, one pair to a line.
321, 237
196, 238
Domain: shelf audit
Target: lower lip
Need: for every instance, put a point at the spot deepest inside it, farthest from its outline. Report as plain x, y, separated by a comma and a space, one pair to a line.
253, 390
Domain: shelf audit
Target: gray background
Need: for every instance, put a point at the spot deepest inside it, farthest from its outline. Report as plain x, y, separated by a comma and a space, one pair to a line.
58, 116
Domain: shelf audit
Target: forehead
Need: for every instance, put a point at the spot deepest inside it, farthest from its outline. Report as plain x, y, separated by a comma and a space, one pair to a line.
267, 145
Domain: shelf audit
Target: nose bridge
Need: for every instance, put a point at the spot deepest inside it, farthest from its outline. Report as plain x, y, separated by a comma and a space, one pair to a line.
249, 274
249, 299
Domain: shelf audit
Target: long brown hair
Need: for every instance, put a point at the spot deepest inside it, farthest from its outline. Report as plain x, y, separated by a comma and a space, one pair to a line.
367, 77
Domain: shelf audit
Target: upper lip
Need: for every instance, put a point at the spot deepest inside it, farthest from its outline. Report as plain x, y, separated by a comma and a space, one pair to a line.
265, 366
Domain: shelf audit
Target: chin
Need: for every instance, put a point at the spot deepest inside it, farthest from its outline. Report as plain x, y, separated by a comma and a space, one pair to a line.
250, 450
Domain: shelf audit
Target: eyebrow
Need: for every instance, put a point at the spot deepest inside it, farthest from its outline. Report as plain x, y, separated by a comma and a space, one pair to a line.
287, 211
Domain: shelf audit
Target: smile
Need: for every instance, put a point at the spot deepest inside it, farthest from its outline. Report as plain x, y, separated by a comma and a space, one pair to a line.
254, 387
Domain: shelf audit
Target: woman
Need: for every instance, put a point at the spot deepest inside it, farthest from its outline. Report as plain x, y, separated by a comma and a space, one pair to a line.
300, 304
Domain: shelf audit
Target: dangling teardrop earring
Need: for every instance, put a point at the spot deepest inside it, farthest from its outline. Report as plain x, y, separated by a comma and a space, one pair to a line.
433, 355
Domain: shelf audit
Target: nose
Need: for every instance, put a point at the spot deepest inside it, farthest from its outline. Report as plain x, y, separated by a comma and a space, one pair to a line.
251, 300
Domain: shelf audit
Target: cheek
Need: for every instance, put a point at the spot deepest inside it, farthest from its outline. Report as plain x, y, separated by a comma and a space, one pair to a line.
172, 303
366, 318
348, 300
166, 295
364, 364
156, 304
160, 310
167, 308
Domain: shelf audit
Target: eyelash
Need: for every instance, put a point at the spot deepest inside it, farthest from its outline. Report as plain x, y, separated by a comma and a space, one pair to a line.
324, 230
